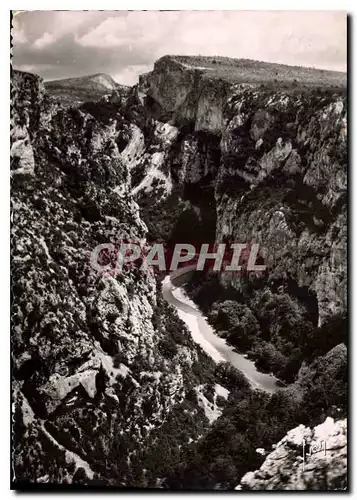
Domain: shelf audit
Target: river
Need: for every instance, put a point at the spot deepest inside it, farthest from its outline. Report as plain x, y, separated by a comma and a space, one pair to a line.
203, 333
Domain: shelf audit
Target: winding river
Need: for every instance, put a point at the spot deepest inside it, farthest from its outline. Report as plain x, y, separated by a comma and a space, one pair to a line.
203, 334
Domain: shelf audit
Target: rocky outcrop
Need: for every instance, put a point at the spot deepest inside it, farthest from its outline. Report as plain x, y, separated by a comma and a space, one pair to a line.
28, 90
305, 459
183, 94
94, 369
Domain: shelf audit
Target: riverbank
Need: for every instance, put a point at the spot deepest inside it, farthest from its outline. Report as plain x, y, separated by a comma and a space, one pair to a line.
204, 335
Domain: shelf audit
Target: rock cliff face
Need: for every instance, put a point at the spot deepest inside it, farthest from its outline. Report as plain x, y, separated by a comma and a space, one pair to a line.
182, 93
299, 162
320, 465
274, 158
96, 372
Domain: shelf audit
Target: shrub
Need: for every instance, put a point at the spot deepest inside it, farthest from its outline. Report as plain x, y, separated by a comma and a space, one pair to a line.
167, 347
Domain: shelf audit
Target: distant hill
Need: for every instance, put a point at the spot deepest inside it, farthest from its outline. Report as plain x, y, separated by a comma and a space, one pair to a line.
75, 91
251, 71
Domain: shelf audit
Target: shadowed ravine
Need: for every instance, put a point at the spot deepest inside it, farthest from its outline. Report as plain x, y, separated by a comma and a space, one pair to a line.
204, 334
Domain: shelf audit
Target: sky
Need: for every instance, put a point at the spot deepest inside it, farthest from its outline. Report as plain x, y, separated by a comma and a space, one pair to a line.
124, 44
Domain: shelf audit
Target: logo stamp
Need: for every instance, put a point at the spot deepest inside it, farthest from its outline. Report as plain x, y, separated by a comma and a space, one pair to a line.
312, 449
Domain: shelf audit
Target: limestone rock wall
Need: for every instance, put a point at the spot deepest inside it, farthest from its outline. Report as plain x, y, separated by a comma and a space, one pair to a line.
91, 376
277, 161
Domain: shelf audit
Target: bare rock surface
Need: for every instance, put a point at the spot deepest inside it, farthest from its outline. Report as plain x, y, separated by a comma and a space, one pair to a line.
285, 469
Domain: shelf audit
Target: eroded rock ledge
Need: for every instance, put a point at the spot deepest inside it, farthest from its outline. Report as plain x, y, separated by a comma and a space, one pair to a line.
284, 468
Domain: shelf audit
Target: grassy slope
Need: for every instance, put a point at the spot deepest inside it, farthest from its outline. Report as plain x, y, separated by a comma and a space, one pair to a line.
250, 71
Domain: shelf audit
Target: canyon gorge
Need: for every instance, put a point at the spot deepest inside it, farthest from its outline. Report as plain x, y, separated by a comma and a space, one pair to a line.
109, 386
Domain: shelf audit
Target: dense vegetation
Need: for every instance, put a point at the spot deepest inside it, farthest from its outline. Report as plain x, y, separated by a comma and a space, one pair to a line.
253, 419
276, 326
